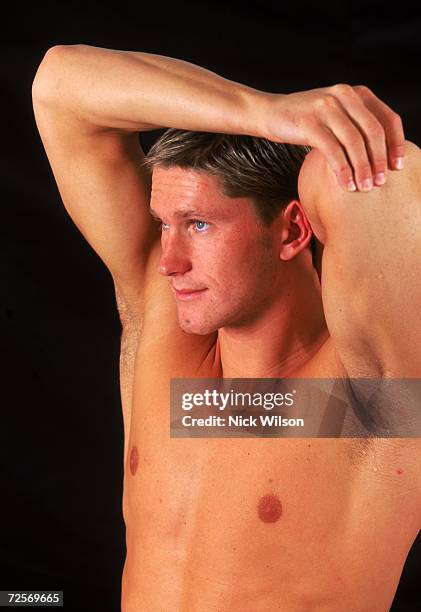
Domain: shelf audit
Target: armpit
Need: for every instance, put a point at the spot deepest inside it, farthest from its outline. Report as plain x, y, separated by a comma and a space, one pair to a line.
386, 407
129, 319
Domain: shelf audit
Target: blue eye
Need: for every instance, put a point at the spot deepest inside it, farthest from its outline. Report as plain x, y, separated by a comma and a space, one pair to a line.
201, 226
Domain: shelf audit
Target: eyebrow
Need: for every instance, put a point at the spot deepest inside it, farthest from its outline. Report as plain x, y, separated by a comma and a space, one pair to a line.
187, 212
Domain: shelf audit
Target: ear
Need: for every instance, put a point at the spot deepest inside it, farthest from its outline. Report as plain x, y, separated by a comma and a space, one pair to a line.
296, 231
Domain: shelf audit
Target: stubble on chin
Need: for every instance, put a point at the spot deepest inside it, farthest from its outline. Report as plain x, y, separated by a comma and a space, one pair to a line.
201, 328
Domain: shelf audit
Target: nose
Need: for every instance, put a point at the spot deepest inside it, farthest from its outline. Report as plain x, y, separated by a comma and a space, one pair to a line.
175, 258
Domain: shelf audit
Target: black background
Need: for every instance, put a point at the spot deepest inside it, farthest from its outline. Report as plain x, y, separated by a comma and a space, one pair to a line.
61, 429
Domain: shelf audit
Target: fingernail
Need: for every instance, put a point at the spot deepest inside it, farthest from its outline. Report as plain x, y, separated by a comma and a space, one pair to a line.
399, 163
367, 184
380, 178
351, 186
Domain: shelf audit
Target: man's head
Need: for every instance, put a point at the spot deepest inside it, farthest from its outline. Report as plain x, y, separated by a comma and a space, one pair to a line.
231, 218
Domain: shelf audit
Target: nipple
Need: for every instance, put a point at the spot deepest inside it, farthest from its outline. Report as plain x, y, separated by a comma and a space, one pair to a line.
269, 509
134, 460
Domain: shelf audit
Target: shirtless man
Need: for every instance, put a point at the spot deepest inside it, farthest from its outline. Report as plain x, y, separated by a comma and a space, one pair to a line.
345, 514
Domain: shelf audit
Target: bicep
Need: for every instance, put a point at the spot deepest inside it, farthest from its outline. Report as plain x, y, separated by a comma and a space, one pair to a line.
371, 282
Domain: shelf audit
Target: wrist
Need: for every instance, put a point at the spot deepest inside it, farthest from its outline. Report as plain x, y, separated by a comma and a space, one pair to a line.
253, 118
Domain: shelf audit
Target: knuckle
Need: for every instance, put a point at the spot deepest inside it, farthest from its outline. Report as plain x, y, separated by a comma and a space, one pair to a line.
326, 102
342, 89
375, 130
362, 90
379, 159
353, 137
396, 119
364, 170
343, 170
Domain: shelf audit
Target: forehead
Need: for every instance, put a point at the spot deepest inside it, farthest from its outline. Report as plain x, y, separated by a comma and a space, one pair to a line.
183, 181
175, 189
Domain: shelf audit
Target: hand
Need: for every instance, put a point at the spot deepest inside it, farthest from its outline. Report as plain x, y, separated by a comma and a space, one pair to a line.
356, 132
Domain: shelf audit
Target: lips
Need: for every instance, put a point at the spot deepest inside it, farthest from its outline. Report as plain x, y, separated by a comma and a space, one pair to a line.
188, 294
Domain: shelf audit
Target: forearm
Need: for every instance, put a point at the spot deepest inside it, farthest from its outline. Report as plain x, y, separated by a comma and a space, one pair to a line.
134, 91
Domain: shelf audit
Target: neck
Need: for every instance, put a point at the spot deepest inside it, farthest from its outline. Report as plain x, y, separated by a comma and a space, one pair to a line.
289, 333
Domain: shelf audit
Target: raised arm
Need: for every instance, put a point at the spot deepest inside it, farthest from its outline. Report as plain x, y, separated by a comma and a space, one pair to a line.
371, 266
90, 103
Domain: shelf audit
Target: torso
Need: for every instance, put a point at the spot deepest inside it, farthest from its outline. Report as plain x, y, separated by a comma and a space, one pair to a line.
195, 541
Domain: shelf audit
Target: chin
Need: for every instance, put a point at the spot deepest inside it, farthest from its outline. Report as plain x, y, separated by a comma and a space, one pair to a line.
199, 328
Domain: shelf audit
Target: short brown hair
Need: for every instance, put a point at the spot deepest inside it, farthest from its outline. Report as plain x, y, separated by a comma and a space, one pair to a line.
246, 166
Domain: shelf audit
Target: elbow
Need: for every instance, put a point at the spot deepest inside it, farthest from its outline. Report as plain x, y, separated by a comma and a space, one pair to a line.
44, 84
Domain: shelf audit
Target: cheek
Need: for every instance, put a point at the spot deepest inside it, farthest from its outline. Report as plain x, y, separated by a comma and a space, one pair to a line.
232, 265
240, 270
228, 260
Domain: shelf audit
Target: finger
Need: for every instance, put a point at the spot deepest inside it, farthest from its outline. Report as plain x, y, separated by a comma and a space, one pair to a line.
392, 124
331, 148
369, 126
352, 140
